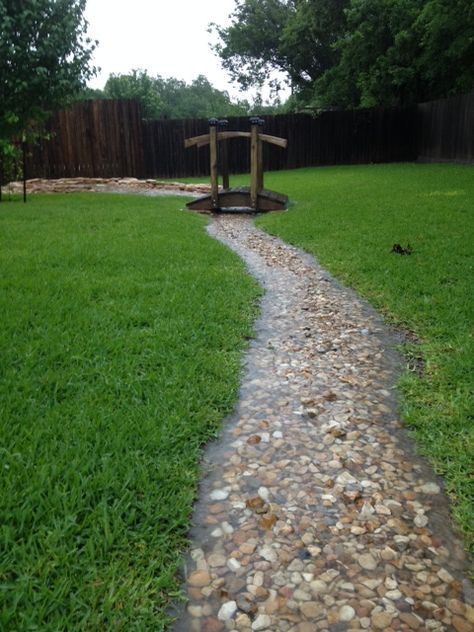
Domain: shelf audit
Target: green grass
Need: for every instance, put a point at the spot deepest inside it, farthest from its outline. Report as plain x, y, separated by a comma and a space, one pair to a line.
122, 325
350, 217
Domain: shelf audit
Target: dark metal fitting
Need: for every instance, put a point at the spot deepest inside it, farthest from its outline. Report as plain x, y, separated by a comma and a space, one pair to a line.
223, 122
254, 120
213, 122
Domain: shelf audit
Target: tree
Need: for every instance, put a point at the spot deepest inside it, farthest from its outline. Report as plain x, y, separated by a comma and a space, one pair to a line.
446, 32
295, 37
173, 98
137, 85
44, 61
400, 52
250, 47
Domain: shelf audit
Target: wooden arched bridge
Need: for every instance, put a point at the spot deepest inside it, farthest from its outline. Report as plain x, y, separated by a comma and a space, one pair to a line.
255, 197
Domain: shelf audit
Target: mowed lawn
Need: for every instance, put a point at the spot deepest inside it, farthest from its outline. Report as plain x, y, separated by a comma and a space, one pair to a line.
122, 326
350, 218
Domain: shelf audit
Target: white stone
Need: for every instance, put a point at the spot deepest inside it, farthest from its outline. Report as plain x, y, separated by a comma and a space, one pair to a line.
301, 595
277, 434
233, 564
268, 553
346, 613
366, 511
318, 586
445, 576
264, 493
262, 622
219, 494
421, 520
258, 579
346, 479
430, 488
195, 611
227, 611
390, 583
197, 554
217, 533
367, 561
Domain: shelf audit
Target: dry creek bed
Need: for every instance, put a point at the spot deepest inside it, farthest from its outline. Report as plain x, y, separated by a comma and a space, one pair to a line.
314, 511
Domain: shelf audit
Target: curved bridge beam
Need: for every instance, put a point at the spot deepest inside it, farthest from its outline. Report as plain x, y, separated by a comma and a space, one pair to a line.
205, 139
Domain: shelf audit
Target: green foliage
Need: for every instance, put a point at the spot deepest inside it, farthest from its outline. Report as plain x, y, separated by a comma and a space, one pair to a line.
353, 53
10, 162
137, 85
173, 98
122, 326
250, 46
295, 37
350, 217
400, 52
44, 60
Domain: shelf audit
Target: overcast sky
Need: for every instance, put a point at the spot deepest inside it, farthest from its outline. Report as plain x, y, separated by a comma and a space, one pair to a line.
166, 38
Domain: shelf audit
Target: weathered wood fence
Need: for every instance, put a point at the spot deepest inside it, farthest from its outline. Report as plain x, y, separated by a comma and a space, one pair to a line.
110, 138
92, 139
447, 129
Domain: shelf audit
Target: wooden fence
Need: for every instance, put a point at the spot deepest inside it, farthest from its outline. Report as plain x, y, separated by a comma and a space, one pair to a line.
92, 139
110, 138
362, 136
447, 130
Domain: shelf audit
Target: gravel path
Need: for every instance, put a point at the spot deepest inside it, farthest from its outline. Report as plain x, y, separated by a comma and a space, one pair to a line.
314, 512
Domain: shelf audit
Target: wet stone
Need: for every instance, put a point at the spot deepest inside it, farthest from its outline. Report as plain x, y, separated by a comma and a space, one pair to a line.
314, 511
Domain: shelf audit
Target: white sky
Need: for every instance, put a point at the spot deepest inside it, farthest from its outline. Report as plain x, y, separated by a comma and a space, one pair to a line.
168, 38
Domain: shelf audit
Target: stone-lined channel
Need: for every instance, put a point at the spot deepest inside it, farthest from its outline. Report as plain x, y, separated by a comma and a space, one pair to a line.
314, 511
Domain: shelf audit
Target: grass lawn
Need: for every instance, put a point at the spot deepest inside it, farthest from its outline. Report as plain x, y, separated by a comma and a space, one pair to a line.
350, 217
121, 330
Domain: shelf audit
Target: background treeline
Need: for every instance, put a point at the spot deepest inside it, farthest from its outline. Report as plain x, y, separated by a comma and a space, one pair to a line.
164, 98
334, 54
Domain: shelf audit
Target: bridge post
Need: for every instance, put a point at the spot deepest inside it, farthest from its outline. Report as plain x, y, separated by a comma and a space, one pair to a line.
224, 156
261, 123
254, 141
213, 122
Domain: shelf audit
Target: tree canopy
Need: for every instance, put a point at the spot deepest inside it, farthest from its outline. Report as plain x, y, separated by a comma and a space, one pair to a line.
173, 98
45, 60
353, 53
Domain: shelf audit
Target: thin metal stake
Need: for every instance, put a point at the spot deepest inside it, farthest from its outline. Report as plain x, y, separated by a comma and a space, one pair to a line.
24, 171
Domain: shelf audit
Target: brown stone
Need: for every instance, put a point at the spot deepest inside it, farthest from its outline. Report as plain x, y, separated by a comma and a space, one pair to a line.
456, 606
199, 579
254, 439
267, 521
460, 624
311, 609
307, 626
381, 620
247, 548
410, 619
212, 624
256, 503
